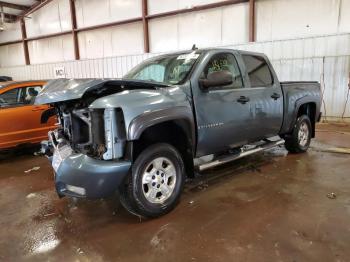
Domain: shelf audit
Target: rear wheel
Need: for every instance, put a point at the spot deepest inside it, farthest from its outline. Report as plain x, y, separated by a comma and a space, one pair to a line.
154, 187
299, 140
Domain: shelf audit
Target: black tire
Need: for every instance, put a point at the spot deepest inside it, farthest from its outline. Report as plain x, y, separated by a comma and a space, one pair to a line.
132, 195
124, 197
292, 141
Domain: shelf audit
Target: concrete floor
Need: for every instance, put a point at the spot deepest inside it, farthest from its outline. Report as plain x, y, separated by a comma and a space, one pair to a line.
268, 207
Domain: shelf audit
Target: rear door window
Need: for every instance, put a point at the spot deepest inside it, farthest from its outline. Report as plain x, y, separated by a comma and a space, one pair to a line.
258, 71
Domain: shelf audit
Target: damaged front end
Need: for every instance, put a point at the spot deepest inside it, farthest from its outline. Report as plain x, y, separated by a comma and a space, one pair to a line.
97, 133
88, 149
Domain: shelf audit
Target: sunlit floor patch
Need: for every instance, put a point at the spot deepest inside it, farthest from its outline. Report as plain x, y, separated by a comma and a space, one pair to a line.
45, 246
44, 240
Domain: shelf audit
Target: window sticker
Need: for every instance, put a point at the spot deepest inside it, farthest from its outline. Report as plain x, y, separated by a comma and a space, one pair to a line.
188, 56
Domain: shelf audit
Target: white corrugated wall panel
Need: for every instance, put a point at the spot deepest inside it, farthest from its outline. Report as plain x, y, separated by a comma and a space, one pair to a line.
51, 49
200, 28
109, 67
111, 41
52, 18
336, 76
235, 24
331, 45
11, 55
307, 69
344, 21
95, 12
215, 27
163, 34
277, 19
161, 6
12, 32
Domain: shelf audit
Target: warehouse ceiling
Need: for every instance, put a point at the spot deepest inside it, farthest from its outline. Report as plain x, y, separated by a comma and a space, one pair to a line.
13, 9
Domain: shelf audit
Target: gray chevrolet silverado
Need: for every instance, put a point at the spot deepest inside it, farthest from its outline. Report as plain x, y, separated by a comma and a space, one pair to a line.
168, 117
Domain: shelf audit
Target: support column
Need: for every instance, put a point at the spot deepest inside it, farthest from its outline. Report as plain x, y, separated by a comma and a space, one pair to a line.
251, 20
25, 41
74, 28
145, 26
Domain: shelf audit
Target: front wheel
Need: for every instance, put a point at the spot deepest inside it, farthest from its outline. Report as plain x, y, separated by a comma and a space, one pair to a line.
299, 140
155, 185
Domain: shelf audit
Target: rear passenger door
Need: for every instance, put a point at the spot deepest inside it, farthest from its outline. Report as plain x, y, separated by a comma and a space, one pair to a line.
265, 96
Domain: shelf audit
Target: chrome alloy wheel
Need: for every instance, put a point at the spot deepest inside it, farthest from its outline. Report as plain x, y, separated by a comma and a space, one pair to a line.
303, 134
158, 180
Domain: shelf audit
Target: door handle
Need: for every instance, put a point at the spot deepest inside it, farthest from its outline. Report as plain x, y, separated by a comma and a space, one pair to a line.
243, 99
275, 96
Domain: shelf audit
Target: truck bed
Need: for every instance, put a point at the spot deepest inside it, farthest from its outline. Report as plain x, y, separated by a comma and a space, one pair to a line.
296, 93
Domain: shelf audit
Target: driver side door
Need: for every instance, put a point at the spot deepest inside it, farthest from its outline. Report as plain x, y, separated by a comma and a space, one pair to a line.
222, 112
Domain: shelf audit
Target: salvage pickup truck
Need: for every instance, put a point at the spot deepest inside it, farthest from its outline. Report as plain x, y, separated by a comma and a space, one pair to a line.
170, 116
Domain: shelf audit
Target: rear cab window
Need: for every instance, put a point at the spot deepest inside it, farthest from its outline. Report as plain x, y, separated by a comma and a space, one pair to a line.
258, 71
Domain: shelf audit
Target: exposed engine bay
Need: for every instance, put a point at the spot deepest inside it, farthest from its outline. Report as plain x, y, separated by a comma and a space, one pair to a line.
98, 133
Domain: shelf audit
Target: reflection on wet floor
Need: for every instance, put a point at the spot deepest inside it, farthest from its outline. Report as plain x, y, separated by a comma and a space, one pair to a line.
272, 205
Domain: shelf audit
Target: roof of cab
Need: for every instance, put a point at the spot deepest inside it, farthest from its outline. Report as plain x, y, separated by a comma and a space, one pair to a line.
209, 49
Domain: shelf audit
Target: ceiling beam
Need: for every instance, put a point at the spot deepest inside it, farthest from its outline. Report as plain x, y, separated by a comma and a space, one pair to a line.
14, 6
33, 8
196, 8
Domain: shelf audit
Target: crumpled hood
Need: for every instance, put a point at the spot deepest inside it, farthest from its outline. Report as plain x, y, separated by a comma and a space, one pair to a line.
59, 90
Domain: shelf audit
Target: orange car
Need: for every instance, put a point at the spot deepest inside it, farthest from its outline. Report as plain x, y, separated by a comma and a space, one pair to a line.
20, 119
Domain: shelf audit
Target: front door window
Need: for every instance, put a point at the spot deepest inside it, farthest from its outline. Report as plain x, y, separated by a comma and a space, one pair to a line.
19, 96
224, 62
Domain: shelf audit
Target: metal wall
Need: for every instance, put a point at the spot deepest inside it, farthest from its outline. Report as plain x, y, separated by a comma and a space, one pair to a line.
213, 27
324, 59
110, 67
111, 41
52, 18
275, 19
12, 32
282, 19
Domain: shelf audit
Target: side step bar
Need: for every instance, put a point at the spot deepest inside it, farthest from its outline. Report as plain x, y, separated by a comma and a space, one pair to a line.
228, 158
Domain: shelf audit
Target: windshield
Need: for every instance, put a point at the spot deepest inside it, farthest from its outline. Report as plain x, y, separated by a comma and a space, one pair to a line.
169, 69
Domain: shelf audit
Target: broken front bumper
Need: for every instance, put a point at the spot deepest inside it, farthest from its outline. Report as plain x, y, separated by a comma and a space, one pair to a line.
79, 175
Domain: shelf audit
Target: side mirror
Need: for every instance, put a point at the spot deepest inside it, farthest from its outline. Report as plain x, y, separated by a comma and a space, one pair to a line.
220, 78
